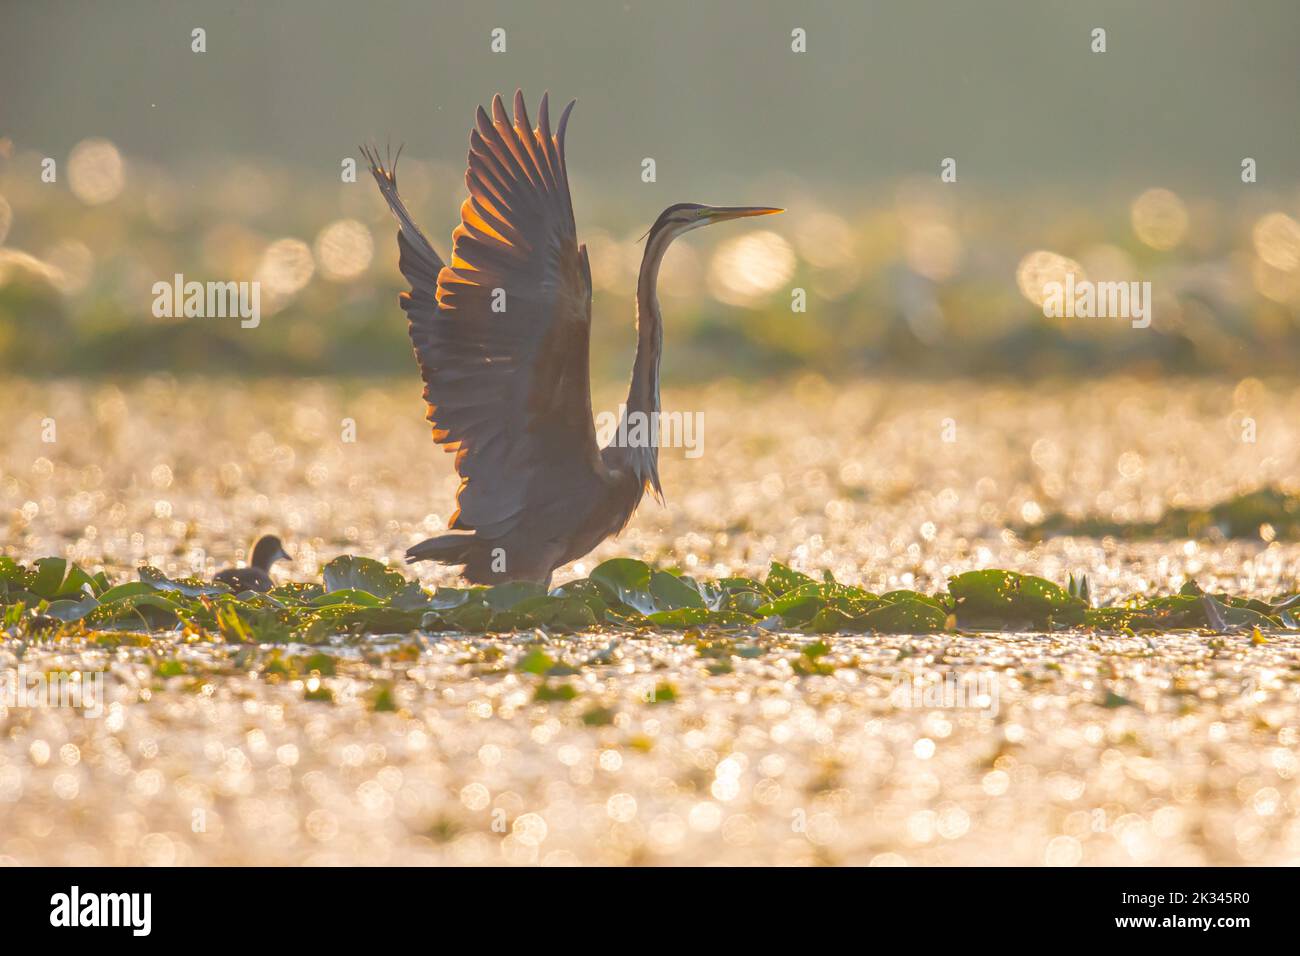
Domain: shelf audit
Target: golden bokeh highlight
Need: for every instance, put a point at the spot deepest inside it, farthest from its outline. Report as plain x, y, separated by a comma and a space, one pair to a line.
825, 239
1108, 263
933, 249
1159, 219
96, 173
746, 269
1276, 237
230, 248
74, 263
1041, 267
1276, 285
15, 262
287, 266
344, 250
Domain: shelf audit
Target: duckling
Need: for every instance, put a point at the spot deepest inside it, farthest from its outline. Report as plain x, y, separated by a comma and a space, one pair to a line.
257, 576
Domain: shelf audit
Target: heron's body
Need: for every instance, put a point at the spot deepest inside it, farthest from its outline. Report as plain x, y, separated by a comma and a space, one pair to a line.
501, 335
579, 520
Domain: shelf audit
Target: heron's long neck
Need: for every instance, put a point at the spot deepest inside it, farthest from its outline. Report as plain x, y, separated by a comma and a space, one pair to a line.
643, 393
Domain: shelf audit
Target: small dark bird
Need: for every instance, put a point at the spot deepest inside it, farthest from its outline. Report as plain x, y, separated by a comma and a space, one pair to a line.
257, 576
502, 335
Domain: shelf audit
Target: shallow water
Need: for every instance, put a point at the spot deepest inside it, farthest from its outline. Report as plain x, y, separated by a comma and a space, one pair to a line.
1079, 749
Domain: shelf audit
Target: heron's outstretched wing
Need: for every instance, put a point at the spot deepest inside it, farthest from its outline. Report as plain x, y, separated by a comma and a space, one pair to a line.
503, 347
418, 261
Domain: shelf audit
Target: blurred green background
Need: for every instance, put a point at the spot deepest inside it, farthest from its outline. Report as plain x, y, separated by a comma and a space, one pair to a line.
225, 165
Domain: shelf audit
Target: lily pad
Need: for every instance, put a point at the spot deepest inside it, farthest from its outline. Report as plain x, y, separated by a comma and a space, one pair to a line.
781, 578
505, 596
627, 581
672, 592
55, 578
904, 616
69, 610
349, 572
190, 587
995, 598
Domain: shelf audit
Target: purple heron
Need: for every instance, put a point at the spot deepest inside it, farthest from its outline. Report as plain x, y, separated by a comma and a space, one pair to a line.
501, 336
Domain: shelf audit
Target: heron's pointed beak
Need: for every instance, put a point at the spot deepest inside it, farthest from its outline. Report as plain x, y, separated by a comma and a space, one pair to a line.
723, 213
283, 556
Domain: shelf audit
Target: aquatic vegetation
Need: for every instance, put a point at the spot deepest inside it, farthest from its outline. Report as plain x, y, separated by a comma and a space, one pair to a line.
1268, 514
359, 596
1161, 730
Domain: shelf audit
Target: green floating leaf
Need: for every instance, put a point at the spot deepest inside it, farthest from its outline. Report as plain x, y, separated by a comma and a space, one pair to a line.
625, 617
744, 595
554, 692
664, 693
563, 613
472, 617
892, 596
322, 664
152, 609
67, 610
735, 585
995, 598
713, 595
802, 604
536, 661
379, 620
599, 717
129, 590
829, 620
411, 597
355, 596
321, 694
296, 593
683, 617
11, 572
781, 579
57, 578
240, 621
503, 597
1189, 609
904, 616
809, 663
795, 606
626, 581
165, 669
671, 592
348, 572
445, 599
189, 587
587, 591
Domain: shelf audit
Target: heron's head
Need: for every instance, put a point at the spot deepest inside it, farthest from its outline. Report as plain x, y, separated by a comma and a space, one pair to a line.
685, 216
267, 551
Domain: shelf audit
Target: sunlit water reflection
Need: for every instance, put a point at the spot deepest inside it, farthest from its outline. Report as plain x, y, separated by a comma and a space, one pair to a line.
1174, 748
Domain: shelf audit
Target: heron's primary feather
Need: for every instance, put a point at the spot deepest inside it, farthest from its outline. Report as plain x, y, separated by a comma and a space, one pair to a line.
502, 333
